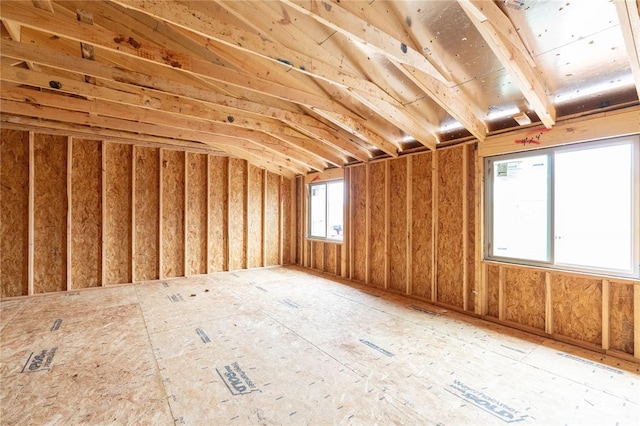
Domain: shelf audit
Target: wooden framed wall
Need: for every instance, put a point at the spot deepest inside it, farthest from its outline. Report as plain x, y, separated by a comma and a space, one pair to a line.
78, 213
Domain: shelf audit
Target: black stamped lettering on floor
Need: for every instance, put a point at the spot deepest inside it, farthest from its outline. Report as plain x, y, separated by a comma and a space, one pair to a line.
39, 361
237, 380
485, 402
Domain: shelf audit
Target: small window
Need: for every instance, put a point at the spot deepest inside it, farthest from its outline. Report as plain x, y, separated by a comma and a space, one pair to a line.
326, 210
573, 207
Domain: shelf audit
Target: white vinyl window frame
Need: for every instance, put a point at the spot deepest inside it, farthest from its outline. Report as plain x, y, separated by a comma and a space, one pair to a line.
491, 251
311, 235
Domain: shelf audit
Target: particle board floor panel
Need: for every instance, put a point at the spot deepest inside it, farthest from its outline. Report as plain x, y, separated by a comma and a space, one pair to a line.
282, 346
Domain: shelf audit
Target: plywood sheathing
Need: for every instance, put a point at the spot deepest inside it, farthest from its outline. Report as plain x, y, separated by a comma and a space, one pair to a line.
218, 186
621, 327
450, 223
470, 237
577, 308
397, 254
147, 213
156, 353
358, 221
14, 208
173, 202
525, 297
331, 260
287, 205
493, 290
86, 237
50, 213
118, 214
378, 252
274, 206
237, 213
422, 226
254, 216
196, 214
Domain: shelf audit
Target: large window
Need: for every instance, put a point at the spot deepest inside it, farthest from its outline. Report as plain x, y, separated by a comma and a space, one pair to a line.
574, 207
326, 210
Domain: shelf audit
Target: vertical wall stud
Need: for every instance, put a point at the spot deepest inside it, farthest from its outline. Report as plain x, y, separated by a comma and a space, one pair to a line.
465, 230
387, 219
605, 314
69, 212
104, 214
346, 225
434, 226
227, 255
367, 268
160, 207
133, 214
245, 213
293, 238
305, 223
208, 238
548, 304
482, 297
409, 221
501, 285
263, 244
636, 321
281, 190
186, 215
31, 213
351, 213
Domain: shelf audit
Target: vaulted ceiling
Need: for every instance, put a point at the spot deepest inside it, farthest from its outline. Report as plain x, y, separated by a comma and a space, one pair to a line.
296, 85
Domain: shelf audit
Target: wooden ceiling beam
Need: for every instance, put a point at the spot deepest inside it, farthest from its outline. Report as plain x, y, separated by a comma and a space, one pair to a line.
139, 81
629, 17
492, 23
75, 117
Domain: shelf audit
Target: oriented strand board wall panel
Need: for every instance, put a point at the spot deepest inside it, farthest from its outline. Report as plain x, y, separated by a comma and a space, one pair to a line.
577, 308
621, 325
331, 258
118, 220
173, 163
237, 188
285, 202
493, 289
378, 217
14, 209
317, 259
197, 213
471, 219
272, 219
450, 236
398, 225
86, 214
358, 221
50, 213
147, 213
525, 297
255, 237
422, 218
218, 213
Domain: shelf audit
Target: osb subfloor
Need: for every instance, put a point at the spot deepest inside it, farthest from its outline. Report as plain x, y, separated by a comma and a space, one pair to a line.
280, 346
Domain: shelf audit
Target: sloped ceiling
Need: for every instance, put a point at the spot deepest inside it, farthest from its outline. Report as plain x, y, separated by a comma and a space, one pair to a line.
295, 86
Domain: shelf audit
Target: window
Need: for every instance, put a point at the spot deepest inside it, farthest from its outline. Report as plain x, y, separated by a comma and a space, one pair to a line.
325, 210
573, 207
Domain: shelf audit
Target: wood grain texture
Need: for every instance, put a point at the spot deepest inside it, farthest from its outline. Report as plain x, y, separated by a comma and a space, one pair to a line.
493, 273
331, 264
525, 296
218, 169
272, 219
197, 213
317, 255
254, 216
173, 193
237, 188
621, 325
86, 213
14, 209
471, 232
398, 225
118, 221
378, 249
50, 226
287, 220
450, 238
577, 308
422, 223
147, 213
358, 192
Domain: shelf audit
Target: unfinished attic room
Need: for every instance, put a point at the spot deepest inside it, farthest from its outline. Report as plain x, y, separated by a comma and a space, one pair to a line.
318, 212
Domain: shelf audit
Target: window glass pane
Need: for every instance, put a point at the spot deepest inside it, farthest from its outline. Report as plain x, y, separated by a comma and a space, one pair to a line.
334, 210
593, 210
521, 208
318, 210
